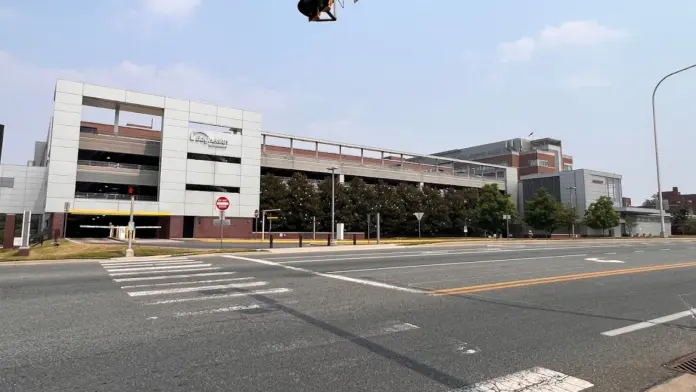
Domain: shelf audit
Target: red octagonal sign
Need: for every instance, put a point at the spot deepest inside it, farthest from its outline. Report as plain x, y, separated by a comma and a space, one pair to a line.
222, 203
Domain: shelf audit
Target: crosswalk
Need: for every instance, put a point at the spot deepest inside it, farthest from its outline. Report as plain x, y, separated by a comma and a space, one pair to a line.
177, 280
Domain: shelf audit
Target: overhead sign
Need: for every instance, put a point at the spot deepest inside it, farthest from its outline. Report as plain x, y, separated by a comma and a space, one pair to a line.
271, 217
208, 138
222, 203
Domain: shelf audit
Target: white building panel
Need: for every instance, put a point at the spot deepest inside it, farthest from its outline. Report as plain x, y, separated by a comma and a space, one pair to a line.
105, 93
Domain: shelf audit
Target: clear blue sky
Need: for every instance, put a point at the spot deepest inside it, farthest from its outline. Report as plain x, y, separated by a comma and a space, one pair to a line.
389, 73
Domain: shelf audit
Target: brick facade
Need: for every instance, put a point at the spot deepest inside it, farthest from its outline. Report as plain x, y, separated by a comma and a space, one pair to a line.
8, 238
204, 228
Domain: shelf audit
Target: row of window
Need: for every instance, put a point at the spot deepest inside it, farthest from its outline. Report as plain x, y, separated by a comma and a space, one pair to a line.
213, 158
539, 162
212, 188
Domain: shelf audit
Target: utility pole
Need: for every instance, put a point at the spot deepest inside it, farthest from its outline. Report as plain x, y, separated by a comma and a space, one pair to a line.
570, 195
333, 204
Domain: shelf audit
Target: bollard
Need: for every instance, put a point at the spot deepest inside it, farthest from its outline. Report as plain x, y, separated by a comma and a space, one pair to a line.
328, 240
355, 239
270, 241
300, 240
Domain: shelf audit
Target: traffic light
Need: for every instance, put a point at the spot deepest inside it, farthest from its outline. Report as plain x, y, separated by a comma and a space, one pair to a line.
313, 9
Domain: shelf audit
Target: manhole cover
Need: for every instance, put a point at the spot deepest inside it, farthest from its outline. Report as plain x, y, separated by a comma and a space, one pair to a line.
685, 364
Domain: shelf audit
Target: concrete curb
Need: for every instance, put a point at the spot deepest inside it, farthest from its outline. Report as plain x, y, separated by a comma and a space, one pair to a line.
337, 248
684, 383
44, 262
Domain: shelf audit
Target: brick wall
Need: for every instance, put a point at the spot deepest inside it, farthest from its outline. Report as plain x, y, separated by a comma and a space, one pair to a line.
239, 228
138, 133
8, 238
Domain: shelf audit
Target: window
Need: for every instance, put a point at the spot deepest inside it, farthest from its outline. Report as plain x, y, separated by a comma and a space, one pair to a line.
6, 182
567, 167
212, 188
213, 158
539, 162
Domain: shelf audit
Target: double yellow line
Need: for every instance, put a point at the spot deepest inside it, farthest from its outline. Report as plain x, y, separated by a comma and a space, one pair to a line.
557, 279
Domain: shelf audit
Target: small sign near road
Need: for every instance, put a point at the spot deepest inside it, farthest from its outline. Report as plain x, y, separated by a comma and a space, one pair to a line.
418, 215
222, 203
256, 213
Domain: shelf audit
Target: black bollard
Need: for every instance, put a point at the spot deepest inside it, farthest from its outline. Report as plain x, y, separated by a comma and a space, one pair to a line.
355, 239
270, 241
300, 240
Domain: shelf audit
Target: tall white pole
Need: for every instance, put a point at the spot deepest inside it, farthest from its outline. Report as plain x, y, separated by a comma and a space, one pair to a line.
333, 206
131, 229
660, 206
263, 224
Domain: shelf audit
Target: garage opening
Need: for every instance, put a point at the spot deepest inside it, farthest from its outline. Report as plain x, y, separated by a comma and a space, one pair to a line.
96, 226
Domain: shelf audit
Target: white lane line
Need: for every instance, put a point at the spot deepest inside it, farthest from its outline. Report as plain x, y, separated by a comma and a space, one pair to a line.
338, 277
610, 253
161, 277
603, 261
235, 308
146, 259
664, 249
187, 282
145, 263
391, 255
198, 288
638, 251
221, 296
398, 328
649, 323
163, 267
168, 271
537, 379
452, 263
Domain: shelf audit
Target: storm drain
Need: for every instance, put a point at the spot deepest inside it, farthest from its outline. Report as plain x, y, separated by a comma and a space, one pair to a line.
685, 364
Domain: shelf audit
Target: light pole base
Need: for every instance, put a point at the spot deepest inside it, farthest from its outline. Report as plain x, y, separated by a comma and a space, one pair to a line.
130, 252
663, 234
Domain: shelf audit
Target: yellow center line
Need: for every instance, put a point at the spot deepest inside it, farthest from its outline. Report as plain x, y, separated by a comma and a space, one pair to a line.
557, 279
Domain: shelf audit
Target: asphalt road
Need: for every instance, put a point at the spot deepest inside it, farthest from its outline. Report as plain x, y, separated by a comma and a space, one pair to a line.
555, 317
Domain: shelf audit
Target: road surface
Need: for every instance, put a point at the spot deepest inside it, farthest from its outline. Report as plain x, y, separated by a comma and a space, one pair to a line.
553, 317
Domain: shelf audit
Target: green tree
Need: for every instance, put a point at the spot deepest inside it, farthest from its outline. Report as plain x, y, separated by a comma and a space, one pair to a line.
274, 194
460, 204
690, 226
391, 209
650, 202
413, 201
631, 223
491, 205
568, 217
436, 218
601, 214
362, 201
342, 206
303, 203
543, 212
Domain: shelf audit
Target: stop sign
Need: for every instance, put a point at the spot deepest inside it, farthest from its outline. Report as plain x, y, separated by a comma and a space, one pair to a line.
222, 203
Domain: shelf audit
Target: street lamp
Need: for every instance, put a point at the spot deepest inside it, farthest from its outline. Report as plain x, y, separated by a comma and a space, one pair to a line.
570, 195
663, 234
263, 221
333, 204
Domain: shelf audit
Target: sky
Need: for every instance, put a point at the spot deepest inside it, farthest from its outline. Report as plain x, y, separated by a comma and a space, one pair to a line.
390, 74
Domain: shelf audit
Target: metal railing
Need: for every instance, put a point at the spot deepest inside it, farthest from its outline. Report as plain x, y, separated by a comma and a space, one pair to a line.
391, 167
117, 165
112, 196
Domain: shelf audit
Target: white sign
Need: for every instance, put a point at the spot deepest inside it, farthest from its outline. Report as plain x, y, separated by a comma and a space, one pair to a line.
208, 139
506, 217
419, 215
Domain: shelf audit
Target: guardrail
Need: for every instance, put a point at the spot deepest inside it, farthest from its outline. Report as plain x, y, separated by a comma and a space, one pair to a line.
117, 165
112, 196
392, 167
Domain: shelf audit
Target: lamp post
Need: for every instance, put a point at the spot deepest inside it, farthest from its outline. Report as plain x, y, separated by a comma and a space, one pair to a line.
570, 195
333, 204
663, 234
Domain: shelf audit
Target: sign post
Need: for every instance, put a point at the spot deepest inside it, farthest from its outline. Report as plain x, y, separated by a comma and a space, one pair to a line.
66, 207
256, 219
507, 225
131, 224
419, 216
222, 204
263, 221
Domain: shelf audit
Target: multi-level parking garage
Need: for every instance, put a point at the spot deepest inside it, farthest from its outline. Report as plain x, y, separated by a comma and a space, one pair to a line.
197, 153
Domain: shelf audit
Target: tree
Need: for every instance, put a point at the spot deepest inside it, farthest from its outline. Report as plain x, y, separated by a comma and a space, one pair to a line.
390, 208
491, 205
568, 217
362, 199
543, 212
460, 204
303, 203
274, 194
601, 214
413, 201
342, 206
631, 222
650, 202
436, 218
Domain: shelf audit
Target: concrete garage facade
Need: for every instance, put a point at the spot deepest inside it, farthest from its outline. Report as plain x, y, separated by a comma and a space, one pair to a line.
82, 174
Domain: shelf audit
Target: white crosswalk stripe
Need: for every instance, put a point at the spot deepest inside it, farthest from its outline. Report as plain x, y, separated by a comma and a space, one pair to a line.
182, 280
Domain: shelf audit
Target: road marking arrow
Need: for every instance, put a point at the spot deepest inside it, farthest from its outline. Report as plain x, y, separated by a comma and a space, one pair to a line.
604, 261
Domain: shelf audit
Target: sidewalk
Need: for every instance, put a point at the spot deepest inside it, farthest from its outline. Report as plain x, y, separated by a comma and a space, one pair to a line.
684, 383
